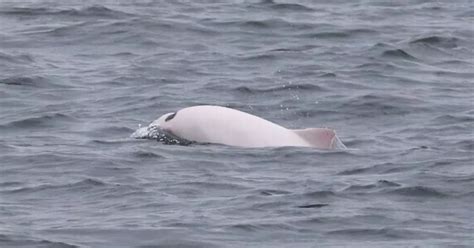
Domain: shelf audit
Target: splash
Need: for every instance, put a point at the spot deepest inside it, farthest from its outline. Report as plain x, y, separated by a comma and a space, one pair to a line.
156, 133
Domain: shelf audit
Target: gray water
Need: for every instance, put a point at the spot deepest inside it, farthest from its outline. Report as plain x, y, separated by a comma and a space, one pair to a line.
394, 78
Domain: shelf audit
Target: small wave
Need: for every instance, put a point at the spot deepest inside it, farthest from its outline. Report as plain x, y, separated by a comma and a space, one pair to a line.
180, 242
327, 35
453, 119
214, 186
270, 192
259, 57
418, 191
382, 233
39, 122
17, 59
285, 6
9, 184
256, 24
293, 48
244, 227
110, 131
294, 87
291, 7
95, 11
31, 81
316, 205
91, 11
62, 31
398, 53
111, 142
147, 154
386, 183
381, 184
89, 182
329, 32
319, 194
468, 13
377, 66
375, 105
391, 52
453, 63
252, 227
23, 11
383, 168
438, 41
44, 187
266, 24
361, 233
24, 241
467, 145
240, 24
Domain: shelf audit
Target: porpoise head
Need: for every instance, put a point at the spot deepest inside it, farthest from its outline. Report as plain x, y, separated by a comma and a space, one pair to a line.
164, 121
163, 127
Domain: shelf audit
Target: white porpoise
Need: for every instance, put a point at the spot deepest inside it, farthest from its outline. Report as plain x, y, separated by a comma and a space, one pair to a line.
221, 125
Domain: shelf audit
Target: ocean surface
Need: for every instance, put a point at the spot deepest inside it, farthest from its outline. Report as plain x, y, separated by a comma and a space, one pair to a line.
394, 78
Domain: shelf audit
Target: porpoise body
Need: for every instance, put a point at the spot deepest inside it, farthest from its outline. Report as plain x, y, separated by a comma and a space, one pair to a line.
222, 125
